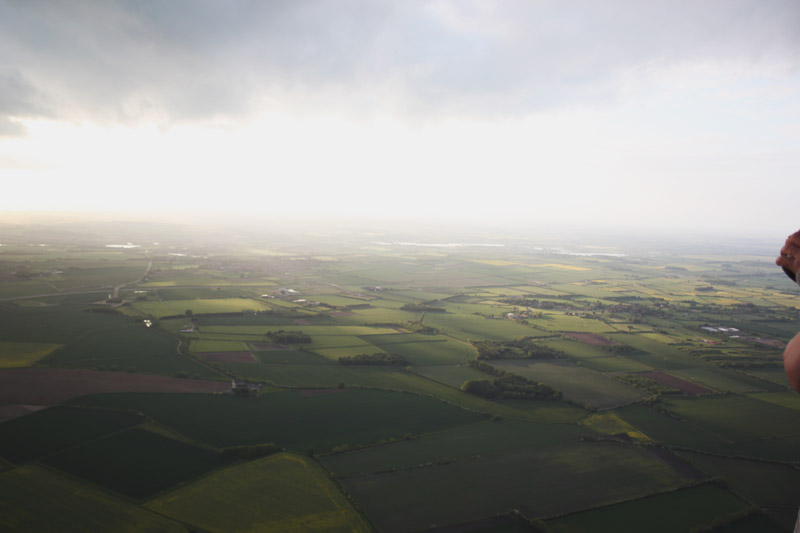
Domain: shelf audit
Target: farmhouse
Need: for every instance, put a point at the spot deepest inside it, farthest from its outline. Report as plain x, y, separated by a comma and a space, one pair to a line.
287, 292
244, 387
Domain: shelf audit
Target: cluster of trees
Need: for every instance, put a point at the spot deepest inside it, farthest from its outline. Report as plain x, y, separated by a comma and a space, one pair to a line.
486, 368
548, 305
423, 306
374, 359
507, 385
647, 384
419, 327
523, 348
289, 337
511, 386
414, 327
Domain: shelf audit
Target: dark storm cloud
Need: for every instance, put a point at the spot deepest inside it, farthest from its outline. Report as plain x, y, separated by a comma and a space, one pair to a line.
196, 59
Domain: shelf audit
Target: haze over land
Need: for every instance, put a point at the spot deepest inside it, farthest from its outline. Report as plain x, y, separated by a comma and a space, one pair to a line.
675, 116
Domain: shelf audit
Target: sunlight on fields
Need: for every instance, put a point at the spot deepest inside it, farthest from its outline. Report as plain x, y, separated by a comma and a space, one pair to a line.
21, 354
499, 262
278, 493
612, 424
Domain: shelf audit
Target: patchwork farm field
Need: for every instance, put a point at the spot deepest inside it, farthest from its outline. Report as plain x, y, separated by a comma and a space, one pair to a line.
350, 384
577, 383
540, 483
699, 506
280, 493
35, 499
291, 418
58, 428
137, 463
131, 348
22, 354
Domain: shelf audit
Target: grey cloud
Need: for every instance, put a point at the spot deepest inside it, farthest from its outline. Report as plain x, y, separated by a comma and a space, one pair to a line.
195, 59
18, 97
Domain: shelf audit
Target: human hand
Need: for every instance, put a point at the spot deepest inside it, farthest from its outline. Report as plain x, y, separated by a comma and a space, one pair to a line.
790, 255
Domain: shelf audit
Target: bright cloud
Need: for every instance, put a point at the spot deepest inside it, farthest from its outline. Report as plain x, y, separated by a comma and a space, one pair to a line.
662, 114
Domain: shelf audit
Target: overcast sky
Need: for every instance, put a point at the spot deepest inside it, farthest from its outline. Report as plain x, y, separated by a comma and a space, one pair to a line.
662, 114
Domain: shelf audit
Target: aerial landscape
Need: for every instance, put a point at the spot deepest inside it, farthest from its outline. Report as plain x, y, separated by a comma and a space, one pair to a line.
399, 266
363, 381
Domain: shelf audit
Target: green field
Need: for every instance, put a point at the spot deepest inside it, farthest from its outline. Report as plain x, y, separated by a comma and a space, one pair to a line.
35, 499
213, 345
451, 375
772, 486
279, 493
615, 364
471, 327
577, 383
199, 306
403, 444
57, 324
424, 349
699, 506
785, 399
296, 421
132, 348
538, 483
759, 429
58, 428
721, 380
137, 463
463, 443
291, 357
19, 354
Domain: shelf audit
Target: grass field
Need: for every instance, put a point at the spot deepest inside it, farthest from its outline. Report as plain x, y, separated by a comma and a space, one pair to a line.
439, 352
784, 399
472, 327
213, 345
576, 349
296, 421
422, 451
20, 354
131, 348
699, 506
722, 380
199, 306
612, 424
291, 357
462, 443
58, 428
57, 324
579, 384
283, 492
537, 482
395, 379
35, 499
615, 364
673, 432
772, 486
451, 375
777, 428
137, 463
773, 375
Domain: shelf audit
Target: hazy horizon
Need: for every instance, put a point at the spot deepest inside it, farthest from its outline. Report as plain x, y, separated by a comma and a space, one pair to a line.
664, 117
